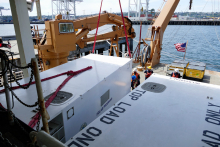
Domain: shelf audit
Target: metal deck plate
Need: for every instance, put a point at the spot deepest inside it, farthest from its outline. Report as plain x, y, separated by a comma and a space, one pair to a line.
60, 98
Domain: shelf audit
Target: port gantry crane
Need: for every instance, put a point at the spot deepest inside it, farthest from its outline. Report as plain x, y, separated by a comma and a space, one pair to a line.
158, 29
60, 36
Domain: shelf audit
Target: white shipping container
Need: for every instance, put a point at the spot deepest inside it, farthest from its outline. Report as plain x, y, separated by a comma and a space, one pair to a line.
90, 93
161, 112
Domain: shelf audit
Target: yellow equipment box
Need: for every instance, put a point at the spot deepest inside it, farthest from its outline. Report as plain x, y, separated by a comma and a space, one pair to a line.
180, 64
195, 70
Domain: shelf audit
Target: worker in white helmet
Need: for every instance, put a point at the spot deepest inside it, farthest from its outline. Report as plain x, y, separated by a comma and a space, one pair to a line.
176, 73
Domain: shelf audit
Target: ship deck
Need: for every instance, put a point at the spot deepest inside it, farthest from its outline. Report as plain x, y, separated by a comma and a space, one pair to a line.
211, 77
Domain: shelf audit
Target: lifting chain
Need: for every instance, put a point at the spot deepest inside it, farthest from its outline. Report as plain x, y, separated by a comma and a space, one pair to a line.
6, 141
31, 79
34, 105
5, 57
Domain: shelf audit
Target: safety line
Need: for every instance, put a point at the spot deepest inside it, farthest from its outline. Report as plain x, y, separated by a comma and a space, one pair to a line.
97, 27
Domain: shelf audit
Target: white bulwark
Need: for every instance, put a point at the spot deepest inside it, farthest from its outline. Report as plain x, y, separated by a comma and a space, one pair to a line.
85, 97
161, 112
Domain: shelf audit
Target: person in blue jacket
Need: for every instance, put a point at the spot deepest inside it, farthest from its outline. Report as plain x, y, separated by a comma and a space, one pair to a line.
134, 82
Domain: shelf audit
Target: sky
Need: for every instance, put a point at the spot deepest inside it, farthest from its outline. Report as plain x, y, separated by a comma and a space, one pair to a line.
88, 7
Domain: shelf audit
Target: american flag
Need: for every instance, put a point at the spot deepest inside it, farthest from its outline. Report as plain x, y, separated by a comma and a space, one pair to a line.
181, 47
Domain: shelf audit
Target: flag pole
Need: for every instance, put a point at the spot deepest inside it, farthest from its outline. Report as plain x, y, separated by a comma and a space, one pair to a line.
185, 50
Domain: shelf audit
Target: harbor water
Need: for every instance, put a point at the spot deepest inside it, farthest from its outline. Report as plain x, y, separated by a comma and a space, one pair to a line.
203, 42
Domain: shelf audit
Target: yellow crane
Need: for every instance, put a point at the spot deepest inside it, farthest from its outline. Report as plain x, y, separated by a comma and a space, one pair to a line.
158, 29
60, 36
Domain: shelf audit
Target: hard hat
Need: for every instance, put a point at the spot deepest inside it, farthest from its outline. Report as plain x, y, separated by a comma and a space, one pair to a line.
135, 69
133, 77
149, 67
176, 70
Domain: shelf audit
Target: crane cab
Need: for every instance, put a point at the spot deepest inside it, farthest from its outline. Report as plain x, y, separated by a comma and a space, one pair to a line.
61, 35
57, 41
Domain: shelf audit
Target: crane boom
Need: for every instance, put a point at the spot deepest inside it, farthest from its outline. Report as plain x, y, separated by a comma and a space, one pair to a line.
87, 24
157, 31
91, 22
166, 14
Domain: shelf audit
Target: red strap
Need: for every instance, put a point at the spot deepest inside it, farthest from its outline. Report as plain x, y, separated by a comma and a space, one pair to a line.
45, 79
9, 46
97, 28
71, 74
125, 29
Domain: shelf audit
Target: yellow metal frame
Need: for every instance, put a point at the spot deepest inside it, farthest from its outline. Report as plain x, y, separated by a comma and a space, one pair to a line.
54, 47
